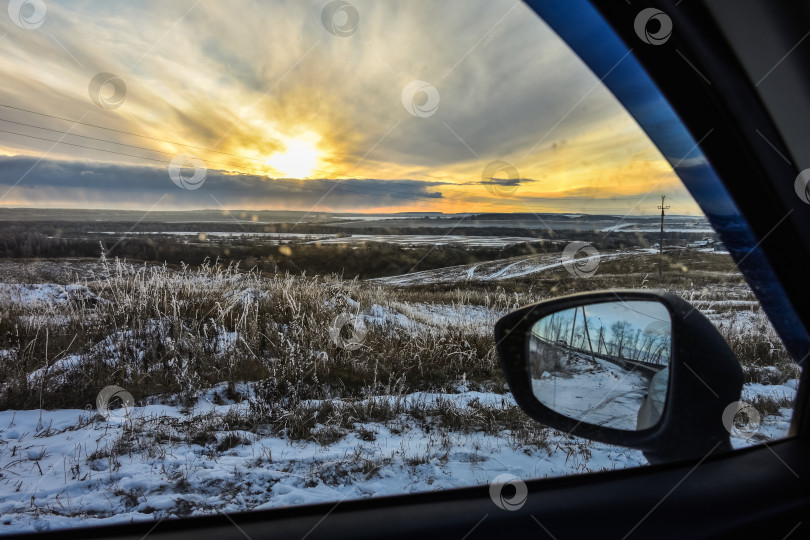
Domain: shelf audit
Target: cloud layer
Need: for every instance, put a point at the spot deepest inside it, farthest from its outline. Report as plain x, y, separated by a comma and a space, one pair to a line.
101, 185
252, 79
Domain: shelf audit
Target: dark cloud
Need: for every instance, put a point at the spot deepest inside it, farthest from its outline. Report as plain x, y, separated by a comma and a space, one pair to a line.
73, 184
506, 182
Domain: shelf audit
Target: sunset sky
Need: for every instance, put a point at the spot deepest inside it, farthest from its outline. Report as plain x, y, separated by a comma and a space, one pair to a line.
285, 114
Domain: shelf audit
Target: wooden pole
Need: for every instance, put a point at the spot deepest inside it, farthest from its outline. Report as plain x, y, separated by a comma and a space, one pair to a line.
661, 240
587, 333
571, 341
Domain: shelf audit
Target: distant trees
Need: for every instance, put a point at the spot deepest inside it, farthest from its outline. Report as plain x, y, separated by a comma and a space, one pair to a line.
366, 260
624, 341
55, 239
620, 330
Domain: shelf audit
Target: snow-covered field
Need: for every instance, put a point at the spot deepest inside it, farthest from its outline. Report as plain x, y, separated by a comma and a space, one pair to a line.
431, 240
498, 270
60, 468
214, 235
399, 239
419, 405
670, 227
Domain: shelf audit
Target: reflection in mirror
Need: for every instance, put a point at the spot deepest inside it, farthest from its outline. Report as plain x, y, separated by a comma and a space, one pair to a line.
605, 364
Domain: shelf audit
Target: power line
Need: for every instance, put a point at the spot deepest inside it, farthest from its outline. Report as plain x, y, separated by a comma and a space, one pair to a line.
661, 241
338, 184
118, 143
147, 137
127, 132
277, 180
386, 191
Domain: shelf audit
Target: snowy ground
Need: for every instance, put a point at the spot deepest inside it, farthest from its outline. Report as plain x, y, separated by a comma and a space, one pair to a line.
596, 391
59, 468
682, 228
431, 240
43, 294
497, 270
72, 467
399, 239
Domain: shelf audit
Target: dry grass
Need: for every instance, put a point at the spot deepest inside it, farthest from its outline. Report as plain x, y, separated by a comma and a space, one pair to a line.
153, 331
158, 331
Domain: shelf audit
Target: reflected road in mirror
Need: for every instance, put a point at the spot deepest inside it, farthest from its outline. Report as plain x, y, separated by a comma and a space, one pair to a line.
605, 364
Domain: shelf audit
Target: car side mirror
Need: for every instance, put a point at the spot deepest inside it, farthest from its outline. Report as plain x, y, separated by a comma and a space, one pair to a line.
641, 369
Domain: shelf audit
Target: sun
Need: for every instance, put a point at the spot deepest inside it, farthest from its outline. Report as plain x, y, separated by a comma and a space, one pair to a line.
298, 159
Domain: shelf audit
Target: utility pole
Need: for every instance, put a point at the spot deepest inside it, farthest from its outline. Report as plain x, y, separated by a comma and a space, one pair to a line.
588, 333
661, 241
571, 341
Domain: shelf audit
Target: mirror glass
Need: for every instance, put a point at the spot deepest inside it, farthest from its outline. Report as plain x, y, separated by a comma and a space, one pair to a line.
605, 363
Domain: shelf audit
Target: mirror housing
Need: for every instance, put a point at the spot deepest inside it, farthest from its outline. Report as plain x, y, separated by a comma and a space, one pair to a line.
704, 378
